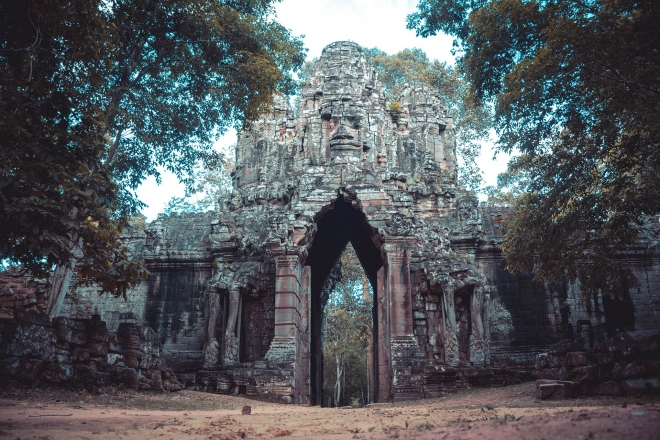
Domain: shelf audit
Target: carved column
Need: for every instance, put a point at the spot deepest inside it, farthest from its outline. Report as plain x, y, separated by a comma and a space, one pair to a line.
383, 346
401, 320
449, 327
211, 345
405, 351
303, 355
477, 348
486, 327
231, 339
287, 302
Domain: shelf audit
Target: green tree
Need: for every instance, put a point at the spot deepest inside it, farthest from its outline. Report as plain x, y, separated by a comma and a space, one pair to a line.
576, 89
472, 121
210, 185
95, 96
347, 327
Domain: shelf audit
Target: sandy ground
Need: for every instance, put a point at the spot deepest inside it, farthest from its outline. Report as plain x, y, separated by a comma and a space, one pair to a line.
503, 413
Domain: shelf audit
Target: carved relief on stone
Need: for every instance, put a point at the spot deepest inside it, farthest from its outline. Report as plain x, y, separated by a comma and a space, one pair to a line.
449, 327
231, 338
278, 230
477, 346
211, 314
399, 225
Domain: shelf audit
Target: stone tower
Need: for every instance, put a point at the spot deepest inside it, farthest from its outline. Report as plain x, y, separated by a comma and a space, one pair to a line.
344, 168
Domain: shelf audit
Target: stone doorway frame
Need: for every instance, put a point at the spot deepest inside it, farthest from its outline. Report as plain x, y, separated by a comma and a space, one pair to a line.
392, 325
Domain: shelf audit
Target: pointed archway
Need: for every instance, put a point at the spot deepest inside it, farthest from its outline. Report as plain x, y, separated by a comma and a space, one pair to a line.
338, 226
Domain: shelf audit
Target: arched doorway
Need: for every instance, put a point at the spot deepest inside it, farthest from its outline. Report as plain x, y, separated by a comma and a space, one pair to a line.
338, 226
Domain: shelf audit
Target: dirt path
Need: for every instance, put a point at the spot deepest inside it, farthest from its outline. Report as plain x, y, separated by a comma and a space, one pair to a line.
503, 413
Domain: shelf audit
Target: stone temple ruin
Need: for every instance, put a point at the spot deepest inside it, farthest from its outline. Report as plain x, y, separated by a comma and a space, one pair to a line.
346, 170
236, 295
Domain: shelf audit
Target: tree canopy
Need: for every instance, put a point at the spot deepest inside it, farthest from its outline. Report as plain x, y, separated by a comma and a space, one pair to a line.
576, 88
95, 96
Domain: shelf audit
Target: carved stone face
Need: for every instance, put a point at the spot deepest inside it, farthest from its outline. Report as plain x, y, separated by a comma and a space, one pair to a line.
343, 142
345, 128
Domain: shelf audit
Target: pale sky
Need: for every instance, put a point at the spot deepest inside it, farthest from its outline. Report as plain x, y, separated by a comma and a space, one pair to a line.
369, 23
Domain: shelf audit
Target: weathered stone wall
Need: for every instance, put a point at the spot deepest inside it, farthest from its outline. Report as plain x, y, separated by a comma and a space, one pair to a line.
18, 292
627, 363
531, 316
82, 353
171, 300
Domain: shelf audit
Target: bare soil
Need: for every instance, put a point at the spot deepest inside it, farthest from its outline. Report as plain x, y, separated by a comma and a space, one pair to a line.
501, 413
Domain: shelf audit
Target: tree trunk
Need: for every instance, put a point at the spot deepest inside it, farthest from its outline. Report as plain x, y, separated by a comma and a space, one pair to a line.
62, 279
340, 371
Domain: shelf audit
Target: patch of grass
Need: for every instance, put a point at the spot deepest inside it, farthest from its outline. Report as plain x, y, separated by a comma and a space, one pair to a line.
426, 426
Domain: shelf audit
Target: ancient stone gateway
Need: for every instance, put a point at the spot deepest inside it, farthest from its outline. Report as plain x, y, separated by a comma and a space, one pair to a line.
346, 169
235, 296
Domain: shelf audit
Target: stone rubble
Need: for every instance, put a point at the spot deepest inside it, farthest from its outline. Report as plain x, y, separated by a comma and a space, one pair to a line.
627, 363
82, 353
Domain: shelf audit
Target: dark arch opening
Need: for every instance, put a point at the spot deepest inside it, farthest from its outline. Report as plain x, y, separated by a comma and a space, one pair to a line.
335, 228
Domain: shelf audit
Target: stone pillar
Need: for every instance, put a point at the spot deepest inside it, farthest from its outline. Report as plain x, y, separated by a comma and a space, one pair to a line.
303, 355
449, 328
405, 352
287, 314
400, 302
477, 348
486, 327
371, 382
231, 338
384, 370
211, 313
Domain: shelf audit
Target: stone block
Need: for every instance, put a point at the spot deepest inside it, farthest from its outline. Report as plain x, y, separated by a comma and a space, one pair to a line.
34, 317
638, 368
30, 369
551, 391
127, 377
74, 324
587, 374
620, 346
649, 344
156, 381
171, 384
57, 373
186, 379
603, 357
131, 361
640, 386
113, 358
571, 389
144, 380
80, 355
541, 361
97, 331
137, 354
146, 363
97, 349
32, 340
114, 346
609, 388
576, 358
564, 346
71, 335
90, 378
63, 359
9, 366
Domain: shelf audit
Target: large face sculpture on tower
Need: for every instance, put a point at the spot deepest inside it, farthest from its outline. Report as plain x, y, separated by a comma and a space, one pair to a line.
343, 125
340, 83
